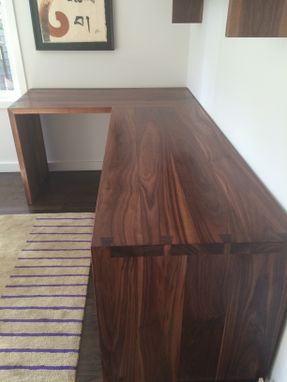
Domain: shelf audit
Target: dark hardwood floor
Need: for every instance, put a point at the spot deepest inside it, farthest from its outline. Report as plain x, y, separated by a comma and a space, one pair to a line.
64, 192
72, 191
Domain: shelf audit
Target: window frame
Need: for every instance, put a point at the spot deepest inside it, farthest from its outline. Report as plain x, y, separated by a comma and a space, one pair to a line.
15, 56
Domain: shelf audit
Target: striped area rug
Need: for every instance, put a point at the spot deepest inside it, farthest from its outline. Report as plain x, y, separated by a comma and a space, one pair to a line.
45, 261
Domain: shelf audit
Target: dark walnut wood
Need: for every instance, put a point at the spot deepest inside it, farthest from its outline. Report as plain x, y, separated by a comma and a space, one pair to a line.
74, 101
233, 311
257, 18
187, 11
189, 248
31, 152
171, 178
26, 126
189, 252
140, 315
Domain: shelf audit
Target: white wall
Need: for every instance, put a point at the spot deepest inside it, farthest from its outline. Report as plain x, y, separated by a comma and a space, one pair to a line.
242, 84
75, 142
8, 157
150, 51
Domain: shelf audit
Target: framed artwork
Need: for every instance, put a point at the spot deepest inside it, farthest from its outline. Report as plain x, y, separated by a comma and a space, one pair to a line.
72, 24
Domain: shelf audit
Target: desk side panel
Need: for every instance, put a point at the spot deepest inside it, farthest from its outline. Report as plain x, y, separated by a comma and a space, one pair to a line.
234, 312
255, 316
139, 304
28, 138
205, 306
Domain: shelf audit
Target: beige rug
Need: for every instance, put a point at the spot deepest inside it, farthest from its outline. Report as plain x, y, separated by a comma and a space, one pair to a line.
44, 271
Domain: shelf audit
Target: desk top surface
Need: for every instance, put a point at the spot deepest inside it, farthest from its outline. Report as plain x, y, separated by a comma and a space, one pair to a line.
169, 175
94, 100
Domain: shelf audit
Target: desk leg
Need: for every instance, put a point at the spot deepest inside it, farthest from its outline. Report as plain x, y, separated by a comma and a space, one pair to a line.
31, 152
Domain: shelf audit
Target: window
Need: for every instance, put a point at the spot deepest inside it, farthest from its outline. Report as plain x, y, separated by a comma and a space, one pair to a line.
6, 81
12, 78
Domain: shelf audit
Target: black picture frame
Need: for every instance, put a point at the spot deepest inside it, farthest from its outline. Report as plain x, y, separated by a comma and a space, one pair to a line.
41, 45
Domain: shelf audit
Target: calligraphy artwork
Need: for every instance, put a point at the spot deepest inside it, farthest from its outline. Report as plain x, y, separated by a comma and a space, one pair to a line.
72, 24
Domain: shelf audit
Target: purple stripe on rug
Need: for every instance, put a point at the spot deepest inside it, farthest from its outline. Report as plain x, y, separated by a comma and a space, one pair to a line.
54, 258
60, 233
43, 285
52, 266
40, 334
65, 275
55, 250
41, 320
57, 241
73, 218
45, 295
35, 368
41, 308
30, 350
62, 226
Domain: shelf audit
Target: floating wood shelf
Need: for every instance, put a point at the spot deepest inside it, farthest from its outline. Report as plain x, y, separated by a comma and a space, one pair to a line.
187, 11
257, 18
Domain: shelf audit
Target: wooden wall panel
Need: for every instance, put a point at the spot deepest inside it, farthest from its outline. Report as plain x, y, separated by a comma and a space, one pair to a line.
187, 11
257, 18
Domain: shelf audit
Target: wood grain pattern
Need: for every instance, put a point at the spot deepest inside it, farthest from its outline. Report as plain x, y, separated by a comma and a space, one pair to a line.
189, 248
169, 173
257, 18
255, 315
234, 310
31, 152
139, 304
173, 187
187, 11
205, 305
69, 101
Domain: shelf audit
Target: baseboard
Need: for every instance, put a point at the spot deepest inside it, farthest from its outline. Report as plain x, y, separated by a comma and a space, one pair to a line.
75, 165
9, 167
57, 166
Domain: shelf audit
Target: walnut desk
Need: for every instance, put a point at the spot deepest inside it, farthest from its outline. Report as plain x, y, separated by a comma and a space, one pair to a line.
189, 248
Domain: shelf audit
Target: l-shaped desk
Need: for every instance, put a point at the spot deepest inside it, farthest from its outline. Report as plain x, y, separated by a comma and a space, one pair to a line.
189, 248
